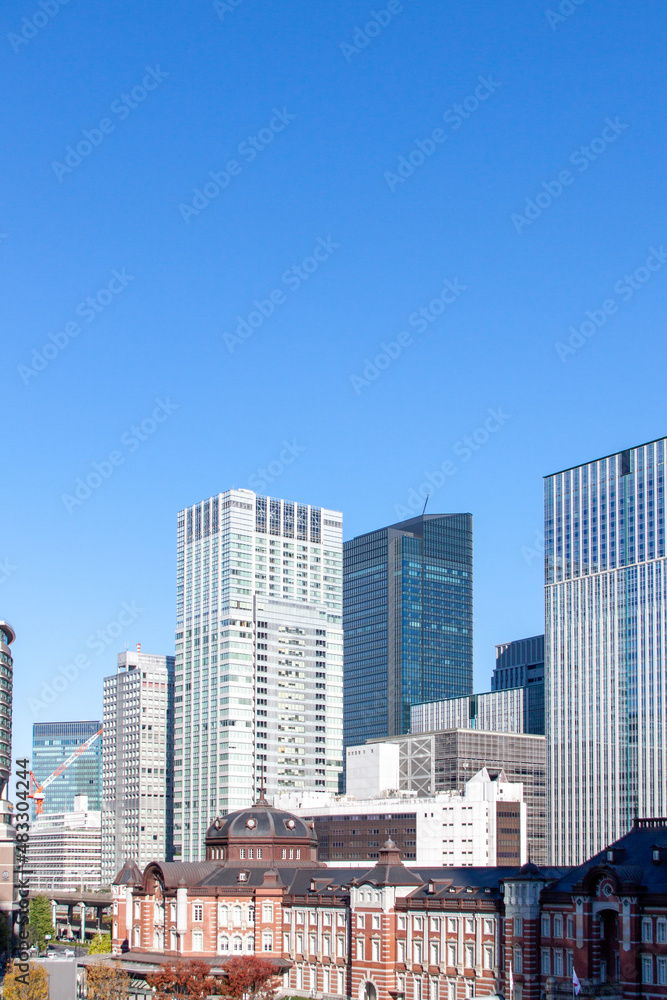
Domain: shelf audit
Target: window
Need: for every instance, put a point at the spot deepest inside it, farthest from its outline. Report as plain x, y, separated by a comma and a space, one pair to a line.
545, 962
470, 925
661, 931
569, 964
647, 969
326, 945
401, 923
400, 951
518, 959
313, 944
434, 991
662, 971
340, 947
570, 927
518, 927
558, 926
223, 945
435, 953
360, 920
488, 957
435, 923
558, 962
451, 991
417, 953
470, 956
197, 941
224, 915
451, 954
267, 941
237, 944
647, 929
451, 925
375, 950
546, 926
488, 926
236, 916
267, 913
376, 922
197, 911
417, 923
470, 989
360, 949
299, 944
417, 989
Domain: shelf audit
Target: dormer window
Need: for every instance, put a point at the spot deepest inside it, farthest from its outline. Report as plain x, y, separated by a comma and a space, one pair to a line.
659, 854
243, 876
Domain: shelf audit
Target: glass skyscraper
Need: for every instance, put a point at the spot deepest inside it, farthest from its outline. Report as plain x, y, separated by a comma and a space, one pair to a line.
52, 743
605, 648
407, 618
258, 696
521, 664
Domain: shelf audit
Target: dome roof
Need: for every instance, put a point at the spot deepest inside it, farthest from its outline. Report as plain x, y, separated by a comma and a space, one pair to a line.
260, 821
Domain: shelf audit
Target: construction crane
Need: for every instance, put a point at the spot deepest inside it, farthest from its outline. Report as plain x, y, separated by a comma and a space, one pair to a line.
36, 792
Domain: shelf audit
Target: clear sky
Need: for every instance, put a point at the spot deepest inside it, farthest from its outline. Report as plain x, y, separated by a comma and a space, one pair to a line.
214, 216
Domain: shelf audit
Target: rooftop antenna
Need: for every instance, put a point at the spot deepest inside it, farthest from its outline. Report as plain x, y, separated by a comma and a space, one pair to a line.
425, 502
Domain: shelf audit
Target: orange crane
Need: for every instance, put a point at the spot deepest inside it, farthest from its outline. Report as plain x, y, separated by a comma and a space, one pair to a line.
37, 791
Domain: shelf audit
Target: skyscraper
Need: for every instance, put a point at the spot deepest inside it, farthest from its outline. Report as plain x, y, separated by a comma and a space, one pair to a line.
408, 621
52, 743
605, 649
137, 756
259, 656
521, 664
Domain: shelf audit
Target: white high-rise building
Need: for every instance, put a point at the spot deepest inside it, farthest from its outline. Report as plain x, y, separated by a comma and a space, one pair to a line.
64, 849
605, 649
259, 656
137, 755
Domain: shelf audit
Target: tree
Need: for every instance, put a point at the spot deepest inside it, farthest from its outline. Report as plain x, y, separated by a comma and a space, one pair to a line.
100, 945
106, 981
15, 986
40, 921
184, 980
250, 976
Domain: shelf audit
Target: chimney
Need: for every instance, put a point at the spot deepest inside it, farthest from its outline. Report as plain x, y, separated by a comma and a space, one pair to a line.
138, 647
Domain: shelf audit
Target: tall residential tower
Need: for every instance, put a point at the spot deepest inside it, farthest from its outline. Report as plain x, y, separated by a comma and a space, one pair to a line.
605, 648
259, 656
408, 621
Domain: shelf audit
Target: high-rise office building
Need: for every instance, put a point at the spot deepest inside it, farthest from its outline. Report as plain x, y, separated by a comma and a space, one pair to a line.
64, 849
605, 649
259, 656
521, 664
446, 760
137, 755
52, 744
515, 703
407, 620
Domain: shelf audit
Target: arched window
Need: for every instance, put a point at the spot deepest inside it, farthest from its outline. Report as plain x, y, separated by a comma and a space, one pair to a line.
157, 939
251, 913
173, 941
267, 941
224, 915
267, 913
236, 916
223, 944
237, 943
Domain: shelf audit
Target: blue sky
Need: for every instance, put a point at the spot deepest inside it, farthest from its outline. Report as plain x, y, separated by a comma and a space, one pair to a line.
510, 150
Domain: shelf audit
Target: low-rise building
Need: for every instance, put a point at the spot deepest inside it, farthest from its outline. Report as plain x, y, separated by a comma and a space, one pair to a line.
484, 825
65, 849
397, 932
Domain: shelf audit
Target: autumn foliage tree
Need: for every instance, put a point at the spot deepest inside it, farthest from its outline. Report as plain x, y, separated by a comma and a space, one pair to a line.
184, 980
250, 976
105, 981
15, 987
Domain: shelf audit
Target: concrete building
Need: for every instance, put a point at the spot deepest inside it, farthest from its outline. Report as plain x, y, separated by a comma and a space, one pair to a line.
407, 621
605, 649
137, 761
65, 849
445, 760
259, 656
485, 825
52, 744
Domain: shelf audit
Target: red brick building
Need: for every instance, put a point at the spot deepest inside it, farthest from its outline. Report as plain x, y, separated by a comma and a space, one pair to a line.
396, 933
